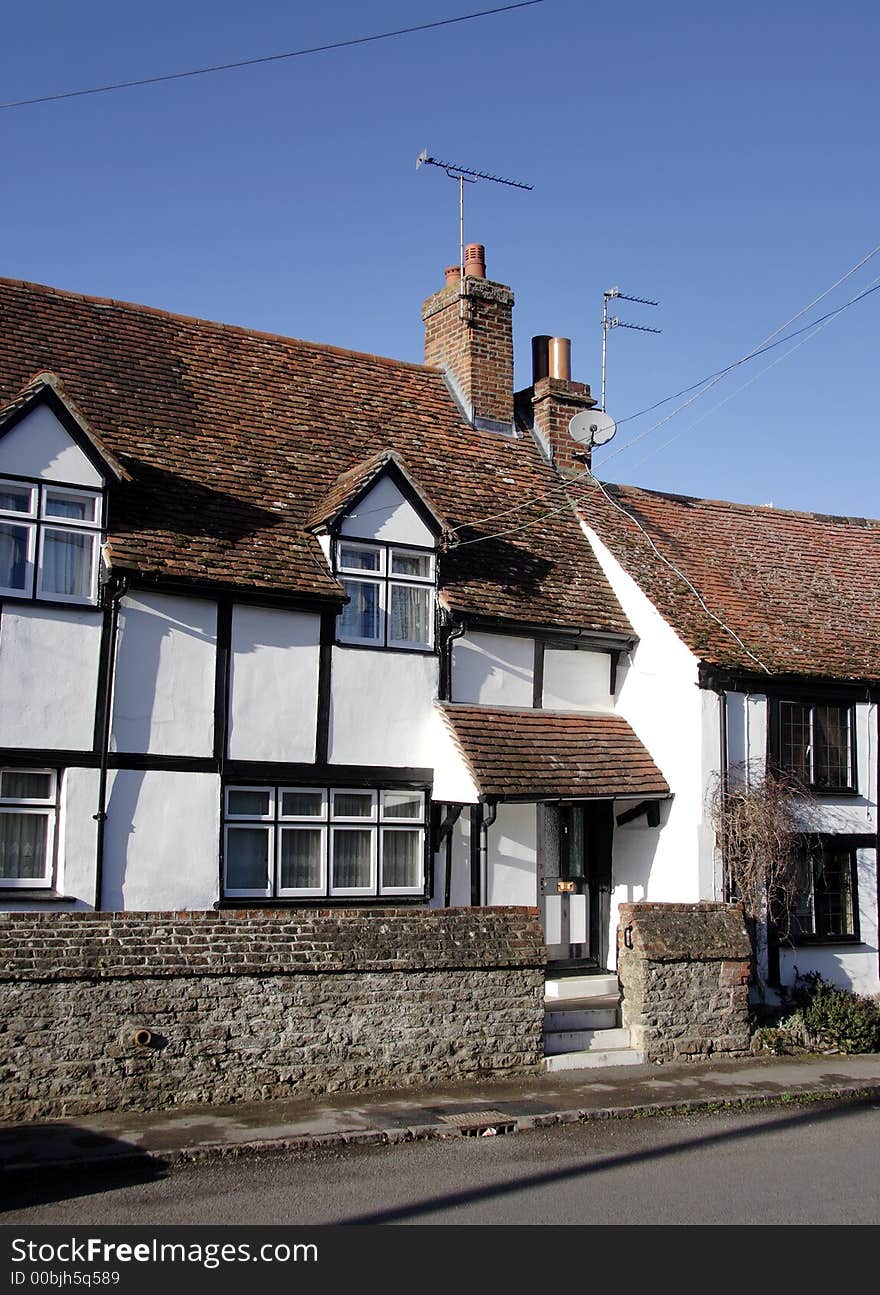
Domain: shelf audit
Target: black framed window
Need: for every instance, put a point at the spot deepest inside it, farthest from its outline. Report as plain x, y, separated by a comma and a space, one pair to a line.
815, 743
827, 907
392, 595
49, 541
28, 813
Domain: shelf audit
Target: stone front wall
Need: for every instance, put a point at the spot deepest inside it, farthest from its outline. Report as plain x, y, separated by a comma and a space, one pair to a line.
684, 973
239, 1006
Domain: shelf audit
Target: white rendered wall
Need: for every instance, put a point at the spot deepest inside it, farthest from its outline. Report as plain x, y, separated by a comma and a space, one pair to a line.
657, 694
162, 840
39, 446
575, 680
273, 700
512, 862
453, 782
460, 891
384, 514
493, 670
381, 708
163, 695
49, 661
78, 836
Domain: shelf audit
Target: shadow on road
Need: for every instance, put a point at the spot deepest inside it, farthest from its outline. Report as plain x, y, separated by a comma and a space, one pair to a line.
121, 1164
432, 1204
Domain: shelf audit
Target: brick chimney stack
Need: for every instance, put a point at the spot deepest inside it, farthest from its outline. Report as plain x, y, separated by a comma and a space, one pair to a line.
469, 334
555, 399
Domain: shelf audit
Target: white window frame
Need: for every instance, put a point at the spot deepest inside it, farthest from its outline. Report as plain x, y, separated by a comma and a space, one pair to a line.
241, 825
42, 806
37, 520
301, 825
384, 579
417, 828
329, 823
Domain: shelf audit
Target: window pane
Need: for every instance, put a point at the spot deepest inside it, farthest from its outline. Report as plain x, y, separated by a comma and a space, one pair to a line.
302, 804
23, 840
360, 617
358, 559
832, 893
16, 784
401, 858
250, 804
80, 508
802, 911
353, 804
15, 499
13, 556
403, 804
410, 615
831, 755
411, 564
247, 858
351, 857
300, 858
795, 743
66, 564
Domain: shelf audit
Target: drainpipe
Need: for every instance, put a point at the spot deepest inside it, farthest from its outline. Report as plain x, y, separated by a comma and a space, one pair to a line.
877, 809
445, 687
486, 821
116, 594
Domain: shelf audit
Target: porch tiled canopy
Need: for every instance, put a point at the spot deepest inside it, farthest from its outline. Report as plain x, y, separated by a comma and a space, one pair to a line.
536, 754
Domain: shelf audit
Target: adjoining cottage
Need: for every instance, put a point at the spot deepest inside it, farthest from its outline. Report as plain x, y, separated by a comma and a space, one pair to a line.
286, 624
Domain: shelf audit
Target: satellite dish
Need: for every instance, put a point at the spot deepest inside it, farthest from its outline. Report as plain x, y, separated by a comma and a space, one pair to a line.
592, 427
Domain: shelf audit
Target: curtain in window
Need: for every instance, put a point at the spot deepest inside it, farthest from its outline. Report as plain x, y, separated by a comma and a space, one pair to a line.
13, 556
351, 858
409, 614
66, 563
300, 858
23, 846
80, 510
247, 853
360, 617
400, 858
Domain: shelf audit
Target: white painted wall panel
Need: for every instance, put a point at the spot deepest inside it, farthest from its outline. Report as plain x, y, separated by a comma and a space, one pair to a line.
493, 670
274, 684
163, 698
512, 864
39, 446
460, 890
49, 661
381, 709
575, 680
162, 840
78, 835
384, 514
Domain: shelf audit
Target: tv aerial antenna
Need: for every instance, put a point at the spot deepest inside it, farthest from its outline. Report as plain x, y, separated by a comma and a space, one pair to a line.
614, 294
465, 175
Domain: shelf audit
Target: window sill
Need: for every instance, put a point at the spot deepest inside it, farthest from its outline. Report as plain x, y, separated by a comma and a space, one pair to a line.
809, 941
11, 893
325, 901
381, 647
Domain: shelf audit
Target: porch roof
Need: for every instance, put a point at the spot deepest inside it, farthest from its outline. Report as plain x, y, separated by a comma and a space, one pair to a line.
539, 754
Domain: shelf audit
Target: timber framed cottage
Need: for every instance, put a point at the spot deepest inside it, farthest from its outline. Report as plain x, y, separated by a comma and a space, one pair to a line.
282, 624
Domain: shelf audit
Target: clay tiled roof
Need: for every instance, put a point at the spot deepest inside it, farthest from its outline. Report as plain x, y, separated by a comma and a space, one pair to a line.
537, 753
799, 590
234, 438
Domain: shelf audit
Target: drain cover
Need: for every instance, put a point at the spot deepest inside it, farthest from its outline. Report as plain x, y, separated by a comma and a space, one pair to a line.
480, 1124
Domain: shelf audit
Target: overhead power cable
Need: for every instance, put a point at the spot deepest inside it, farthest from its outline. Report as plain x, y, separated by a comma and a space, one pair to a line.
268, 58
810, 329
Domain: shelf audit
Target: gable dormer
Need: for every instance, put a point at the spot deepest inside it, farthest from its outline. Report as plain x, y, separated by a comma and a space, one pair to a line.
54, 475
381, 535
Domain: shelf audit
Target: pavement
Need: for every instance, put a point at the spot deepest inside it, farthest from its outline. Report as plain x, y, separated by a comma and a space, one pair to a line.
488, 1107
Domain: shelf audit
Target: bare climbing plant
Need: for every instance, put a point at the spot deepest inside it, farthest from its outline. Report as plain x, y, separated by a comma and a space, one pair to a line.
761, 822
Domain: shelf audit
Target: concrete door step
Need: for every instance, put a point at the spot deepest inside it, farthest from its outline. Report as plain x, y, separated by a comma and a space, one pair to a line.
565, 987
586, 1060
557, 1017
602, 1040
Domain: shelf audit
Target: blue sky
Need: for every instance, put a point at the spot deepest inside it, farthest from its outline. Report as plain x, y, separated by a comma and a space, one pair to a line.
721, 159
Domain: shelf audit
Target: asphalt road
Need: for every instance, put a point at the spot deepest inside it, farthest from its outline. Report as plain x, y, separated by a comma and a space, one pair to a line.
807, 1165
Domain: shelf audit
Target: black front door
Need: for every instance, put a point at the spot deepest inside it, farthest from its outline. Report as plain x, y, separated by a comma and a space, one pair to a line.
574, 873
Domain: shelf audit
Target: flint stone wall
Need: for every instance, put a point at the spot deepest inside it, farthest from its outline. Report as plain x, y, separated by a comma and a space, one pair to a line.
242, 1006
684, 973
